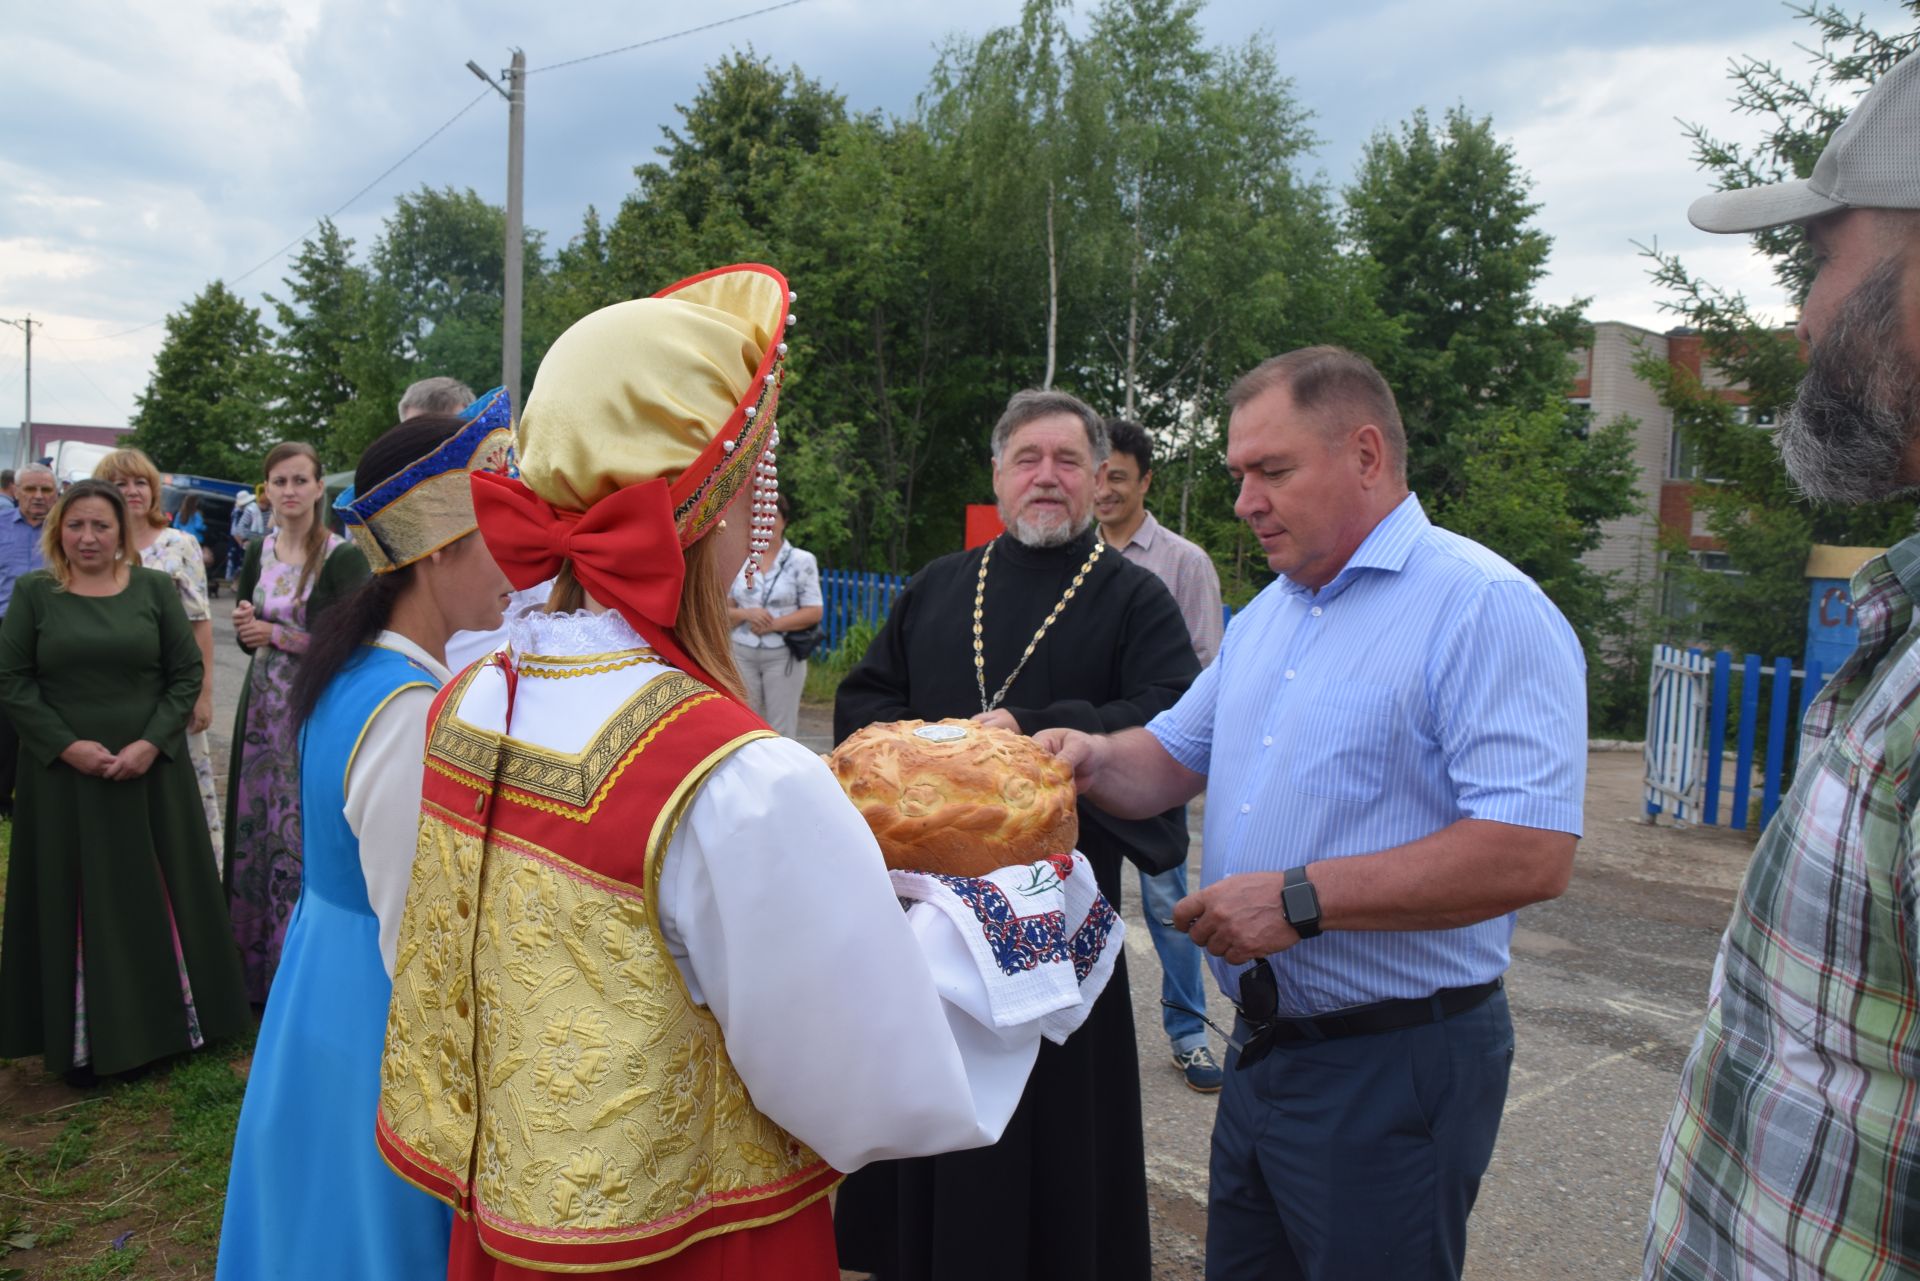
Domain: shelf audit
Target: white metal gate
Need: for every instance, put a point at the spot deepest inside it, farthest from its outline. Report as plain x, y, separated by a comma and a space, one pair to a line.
1677, 694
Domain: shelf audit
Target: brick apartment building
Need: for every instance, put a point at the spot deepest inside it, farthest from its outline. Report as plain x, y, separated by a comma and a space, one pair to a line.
1606, 384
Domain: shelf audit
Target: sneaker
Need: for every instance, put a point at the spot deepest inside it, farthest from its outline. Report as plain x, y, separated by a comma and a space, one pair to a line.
1202, 1073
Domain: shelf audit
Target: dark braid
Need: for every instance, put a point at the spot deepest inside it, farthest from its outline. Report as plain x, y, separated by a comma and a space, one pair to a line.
362, 614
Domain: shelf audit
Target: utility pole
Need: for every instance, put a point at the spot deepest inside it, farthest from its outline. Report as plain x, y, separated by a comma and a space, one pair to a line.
25, 442
515, 93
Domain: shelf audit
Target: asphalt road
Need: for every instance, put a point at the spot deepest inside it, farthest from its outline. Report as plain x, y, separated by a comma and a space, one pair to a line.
1607, 987
229, 674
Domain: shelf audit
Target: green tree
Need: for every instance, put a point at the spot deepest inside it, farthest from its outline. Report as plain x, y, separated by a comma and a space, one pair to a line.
441, 256
721, 183
739, 140
1125, 217
880, 352
373, 365
1444, 214
1482, 372
206, 406
335, 347
1535, 488
1750, 506
580, 280
995, 112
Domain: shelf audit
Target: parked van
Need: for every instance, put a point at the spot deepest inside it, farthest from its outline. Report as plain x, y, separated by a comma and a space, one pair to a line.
73, 460
216, 512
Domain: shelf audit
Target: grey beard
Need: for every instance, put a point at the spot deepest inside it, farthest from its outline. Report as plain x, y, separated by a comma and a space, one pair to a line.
1033, 534
1846, 436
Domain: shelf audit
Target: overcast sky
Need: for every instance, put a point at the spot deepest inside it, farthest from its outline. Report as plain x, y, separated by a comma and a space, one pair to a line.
149, 148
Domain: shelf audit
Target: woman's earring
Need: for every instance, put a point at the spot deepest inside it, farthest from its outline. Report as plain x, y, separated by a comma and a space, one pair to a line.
723, 522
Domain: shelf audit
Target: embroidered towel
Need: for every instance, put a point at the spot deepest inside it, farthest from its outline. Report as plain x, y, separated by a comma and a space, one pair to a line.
1042, 935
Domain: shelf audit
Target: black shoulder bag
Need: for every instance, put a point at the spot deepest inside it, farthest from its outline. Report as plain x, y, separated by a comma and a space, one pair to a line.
801, 643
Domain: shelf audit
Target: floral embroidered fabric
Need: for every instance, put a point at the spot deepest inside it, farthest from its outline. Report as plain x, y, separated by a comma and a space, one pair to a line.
177, 555
265, 877
539, 1032
1038, 933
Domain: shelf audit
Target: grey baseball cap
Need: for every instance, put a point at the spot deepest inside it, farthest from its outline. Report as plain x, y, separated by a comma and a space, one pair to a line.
1871, 162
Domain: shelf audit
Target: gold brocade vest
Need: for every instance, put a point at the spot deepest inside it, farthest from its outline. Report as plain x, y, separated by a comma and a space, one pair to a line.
546, 1071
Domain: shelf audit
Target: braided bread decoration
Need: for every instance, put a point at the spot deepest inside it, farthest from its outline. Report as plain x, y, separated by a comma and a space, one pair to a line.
957, 798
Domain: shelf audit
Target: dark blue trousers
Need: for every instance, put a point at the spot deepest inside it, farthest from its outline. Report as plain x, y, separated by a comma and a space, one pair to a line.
1359, 1158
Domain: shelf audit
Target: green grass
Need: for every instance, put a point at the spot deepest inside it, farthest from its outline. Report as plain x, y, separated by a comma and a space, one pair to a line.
147, 1158
827, 667
142, 1163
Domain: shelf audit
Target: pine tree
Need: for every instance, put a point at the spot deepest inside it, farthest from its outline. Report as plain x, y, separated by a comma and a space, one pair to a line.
207, 407
1750, 506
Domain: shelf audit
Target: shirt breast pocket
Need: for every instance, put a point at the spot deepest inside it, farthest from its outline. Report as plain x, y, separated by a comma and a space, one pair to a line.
1342, 740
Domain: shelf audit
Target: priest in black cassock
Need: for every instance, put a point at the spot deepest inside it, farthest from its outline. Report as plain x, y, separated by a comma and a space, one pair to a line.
1044, 626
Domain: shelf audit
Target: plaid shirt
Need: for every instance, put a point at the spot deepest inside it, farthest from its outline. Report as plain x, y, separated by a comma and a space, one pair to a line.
1794, 1149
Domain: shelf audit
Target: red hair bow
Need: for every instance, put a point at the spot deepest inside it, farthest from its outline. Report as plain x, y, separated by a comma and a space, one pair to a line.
625, 551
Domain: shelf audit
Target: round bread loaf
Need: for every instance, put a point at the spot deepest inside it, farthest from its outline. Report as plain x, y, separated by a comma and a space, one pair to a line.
957, 798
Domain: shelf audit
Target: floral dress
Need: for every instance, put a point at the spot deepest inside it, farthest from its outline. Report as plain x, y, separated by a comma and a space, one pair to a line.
263, 871
176, 554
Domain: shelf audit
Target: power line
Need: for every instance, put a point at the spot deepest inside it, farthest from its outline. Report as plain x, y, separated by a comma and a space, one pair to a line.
555, 66
305, 232
641, 44
60, 351
364, 190
122, 334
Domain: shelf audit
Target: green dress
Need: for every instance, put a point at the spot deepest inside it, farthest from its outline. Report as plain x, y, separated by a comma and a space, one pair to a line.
116, 950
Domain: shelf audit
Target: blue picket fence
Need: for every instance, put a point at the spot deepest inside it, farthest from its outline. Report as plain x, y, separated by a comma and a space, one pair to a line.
850, 596
1690, 717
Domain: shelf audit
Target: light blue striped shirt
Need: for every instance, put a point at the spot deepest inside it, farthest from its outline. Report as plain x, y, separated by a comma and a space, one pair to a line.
1430, 681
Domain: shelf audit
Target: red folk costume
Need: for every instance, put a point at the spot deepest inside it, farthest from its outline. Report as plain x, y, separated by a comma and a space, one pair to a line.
653, 984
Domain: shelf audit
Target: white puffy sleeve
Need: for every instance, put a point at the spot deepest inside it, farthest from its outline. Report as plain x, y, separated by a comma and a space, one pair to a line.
861, 1030
383, 805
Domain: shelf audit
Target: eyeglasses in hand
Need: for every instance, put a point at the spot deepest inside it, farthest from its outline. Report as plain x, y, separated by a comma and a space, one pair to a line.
1259, 1002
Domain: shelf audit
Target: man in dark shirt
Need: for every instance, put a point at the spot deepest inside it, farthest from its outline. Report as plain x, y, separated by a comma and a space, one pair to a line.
20, 532
1045, 627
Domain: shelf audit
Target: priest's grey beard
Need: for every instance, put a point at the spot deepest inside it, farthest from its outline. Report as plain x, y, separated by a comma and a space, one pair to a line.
1034, 534
1846, 437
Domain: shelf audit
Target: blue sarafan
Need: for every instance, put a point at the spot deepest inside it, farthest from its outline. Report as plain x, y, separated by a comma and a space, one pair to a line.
308, 1195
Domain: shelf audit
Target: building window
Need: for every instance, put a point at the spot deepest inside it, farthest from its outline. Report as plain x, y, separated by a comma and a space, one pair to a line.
1676, 600
1683, 460
1581, 414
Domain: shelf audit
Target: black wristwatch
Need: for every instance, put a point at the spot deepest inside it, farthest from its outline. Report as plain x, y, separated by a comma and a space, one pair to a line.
1300, 903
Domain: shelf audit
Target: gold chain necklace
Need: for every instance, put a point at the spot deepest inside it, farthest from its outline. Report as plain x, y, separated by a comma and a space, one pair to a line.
979, 632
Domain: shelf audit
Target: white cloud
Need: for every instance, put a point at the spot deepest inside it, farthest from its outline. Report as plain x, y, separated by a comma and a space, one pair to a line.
164, 143
1611, 168
26, 263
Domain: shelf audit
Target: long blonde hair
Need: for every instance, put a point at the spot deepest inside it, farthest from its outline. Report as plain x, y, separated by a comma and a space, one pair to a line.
702, 628
317, 533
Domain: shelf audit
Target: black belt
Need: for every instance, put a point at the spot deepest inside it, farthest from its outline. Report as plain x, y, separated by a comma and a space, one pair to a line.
1365, 1020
